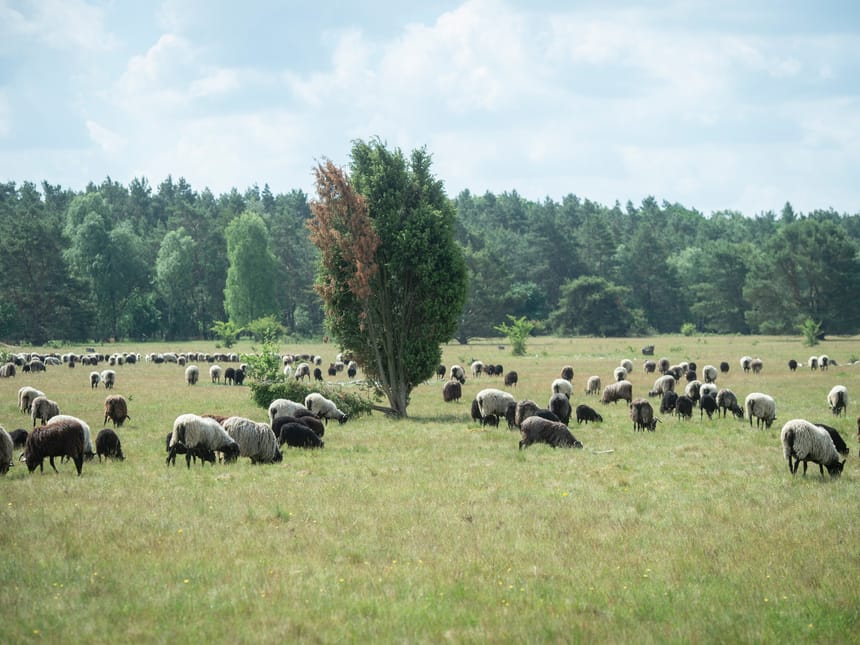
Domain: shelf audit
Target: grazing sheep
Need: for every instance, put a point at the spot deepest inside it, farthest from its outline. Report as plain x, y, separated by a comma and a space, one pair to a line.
567, 373
543, 413
756, 365
199, 435
352, 369
192, 375
684, 407
19, 437
563, 386
587, 413
215, 373
627, 364
493, 402
619, 374
823, 362
26, 395
724, 367
726, 400
477, 368
440, 372
108, 377
63, 438
837, 399
663, 384
202, 453
318, 374
230, 376
311, 422
108, 444
663, 365
285, 407
804, 441
475, 412
745, 363
707, 389
792, 365
693, 390
452, 391
813, 363
89, 453
709, 373
620, 390
762, 407
303, 370
560, 406
690, 375
648, 350
540, 430
298, 435
592, 386
649, 366
7, 370
708, 404
116, 409
668, 402
324, 408
256, 441
44, 409
457, 372
838, 441
95, 379
523, 410
7, 447
642, 415
511, 379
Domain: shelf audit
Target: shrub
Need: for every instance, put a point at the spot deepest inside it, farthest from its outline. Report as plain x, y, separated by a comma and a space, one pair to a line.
688, 329
353, 405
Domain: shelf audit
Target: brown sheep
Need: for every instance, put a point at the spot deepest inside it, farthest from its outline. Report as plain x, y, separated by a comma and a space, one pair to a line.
64, 438
116, 409
642, 415
539, 430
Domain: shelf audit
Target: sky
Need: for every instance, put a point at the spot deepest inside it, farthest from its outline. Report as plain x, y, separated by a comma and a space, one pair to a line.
732, 105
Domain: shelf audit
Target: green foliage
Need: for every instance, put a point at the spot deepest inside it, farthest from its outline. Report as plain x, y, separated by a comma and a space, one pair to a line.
517, 332
810, 331
264, 365
226, 331
352, 404
688, 329
266, 328
591, 305
250, 290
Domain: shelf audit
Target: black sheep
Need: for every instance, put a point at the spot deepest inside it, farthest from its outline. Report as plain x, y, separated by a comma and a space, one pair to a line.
559, 404
792, 365
229, 376
724, 367
667, 403
838, 441
707, 405
63, 438
318, 374
452, 391
587, 413
511, 378
684, 407
180, 449
108, 444
19, 437
298, 435
539, 430
310, 421
441, 371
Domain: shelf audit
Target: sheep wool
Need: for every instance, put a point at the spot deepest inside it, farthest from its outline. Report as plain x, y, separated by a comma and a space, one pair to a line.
198, 435
256, 441
539, 430
324, 408
761, 407
563, 386
493, 402
837, 399
804, 441
284, 407
6, 449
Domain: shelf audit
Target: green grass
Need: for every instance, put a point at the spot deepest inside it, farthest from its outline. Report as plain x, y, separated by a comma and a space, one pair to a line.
432, 529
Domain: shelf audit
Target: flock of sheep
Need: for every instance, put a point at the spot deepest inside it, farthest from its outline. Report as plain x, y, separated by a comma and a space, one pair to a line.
802, 441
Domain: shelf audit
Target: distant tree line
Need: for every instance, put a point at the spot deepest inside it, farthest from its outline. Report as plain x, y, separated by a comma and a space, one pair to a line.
140, 262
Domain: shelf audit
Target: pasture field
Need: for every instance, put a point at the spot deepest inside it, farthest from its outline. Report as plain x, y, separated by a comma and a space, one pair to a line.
432, 528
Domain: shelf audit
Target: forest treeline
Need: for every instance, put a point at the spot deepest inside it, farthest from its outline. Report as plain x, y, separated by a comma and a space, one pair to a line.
168, 262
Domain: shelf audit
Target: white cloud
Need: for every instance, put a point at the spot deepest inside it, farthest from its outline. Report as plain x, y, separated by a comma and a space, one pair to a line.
5, 115
109, 141
61, 24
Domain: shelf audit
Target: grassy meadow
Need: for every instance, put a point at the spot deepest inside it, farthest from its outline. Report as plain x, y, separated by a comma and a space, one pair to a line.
432, 528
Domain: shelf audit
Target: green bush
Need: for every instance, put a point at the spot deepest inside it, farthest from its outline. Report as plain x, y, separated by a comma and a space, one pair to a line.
352, 404
688, 329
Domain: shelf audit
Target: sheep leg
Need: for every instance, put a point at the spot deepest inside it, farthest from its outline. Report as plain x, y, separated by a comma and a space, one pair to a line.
51, 460
188, 458
79, 462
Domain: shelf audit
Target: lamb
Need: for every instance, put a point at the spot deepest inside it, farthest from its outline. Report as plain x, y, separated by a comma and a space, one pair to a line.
452, 391
563, 386
256, 441
804, 441
559, 405
63, 438
285, 407
567, 373
324, 408
668, 402
298, 435
617, 391
491, 420
726, 400
215, 373
109, 445
192, 375
95, 379
762, 407
511, 379
108, 377
838, 441
587, 413
311, 422
540, 430
642, 415
303, 370
492, 402
202, 453
7, 447
116, 409
26, 395
198, 435
44, 409
684, 407
592, 386
663, 365
457, 372
663, 384
709, 373
837, 399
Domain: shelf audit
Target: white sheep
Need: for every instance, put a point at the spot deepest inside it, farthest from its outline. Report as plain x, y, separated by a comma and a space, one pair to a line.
285, 408
707, 389
710, 373
44, 409
324, 408
89, 453
823, 362
457, 372
813, 363
26, 395
6, 450
804, 441
745, 363
593, 385
619, 373
288, 371
108, 377
215, 373
303, 370
200, 435
627, 364
562, 386
837, 399
493, 402
192, 375
663, 384
256, 440
762, 407
477, 368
